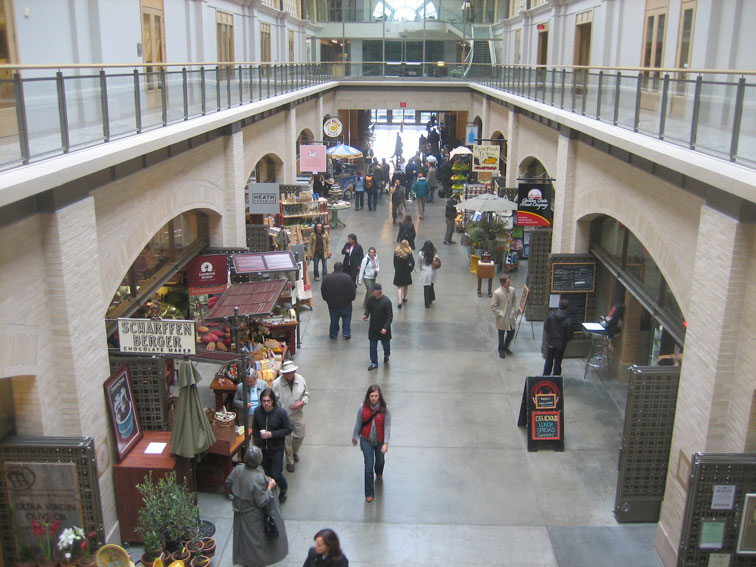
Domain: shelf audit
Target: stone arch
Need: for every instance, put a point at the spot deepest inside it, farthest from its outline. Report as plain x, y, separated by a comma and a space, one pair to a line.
531, 166
268, 169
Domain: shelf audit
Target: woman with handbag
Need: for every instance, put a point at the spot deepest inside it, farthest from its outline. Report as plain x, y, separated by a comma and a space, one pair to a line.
254, 505
429, 263
327, 551
369, 268
373, 429
404, 263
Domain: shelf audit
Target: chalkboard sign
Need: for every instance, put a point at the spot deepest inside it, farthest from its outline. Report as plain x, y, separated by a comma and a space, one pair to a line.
546, 425
573, 277
577, 309
542, 411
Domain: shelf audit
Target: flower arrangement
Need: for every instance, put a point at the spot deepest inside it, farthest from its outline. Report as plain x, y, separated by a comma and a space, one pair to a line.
73, 542
45, 530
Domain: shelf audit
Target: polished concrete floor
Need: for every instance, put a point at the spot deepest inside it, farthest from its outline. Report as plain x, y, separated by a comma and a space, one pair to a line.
460, 488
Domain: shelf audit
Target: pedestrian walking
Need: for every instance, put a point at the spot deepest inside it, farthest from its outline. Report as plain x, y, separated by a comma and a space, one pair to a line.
407, 231
504, 306
380, 313
353, 255
327, 551
271, 425
368, 273
253, 497
432, 178
397, 201
292, 395
404, 263
338, 291
557, 332
372, 429
319, 249
420, 189
359, 191
429, 264
450, 214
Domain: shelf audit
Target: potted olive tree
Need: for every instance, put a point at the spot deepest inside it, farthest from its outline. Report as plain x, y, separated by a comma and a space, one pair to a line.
152, 520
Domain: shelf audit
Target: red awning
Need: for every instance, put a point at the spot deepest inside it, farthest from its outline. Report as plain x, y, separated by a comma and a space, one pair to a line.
257, 262
252, 299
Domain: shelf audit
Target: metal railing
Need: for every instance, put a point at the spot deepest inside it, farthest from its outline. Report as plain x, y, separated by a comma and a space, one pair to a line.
47, 111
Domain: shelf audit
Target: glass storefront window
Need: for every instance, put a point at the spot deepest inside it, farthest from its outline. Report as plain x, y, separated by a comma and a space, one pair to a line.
611, 238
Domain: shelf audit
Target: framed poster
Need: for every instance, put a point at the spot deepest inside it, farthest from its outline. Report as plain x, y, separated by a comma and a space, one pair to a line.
127, 430
747, 538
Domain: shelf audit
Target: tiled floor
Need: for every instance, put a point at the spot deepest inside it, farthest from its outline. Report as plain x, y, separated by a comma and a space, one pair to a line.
460, 488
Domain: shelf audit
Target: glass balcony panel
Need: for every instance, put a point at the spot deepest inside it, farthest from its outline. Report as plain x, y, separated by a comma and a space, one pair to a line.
627, 91
211, 90
715, 117
10, 150
84, 107
606, 112
679, 110
194, 92
43, 124
121, 104
747, 142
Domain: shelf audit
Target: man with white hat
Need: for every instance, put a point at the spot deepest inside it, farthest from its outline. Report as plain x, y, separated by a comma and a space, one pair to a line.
291, 393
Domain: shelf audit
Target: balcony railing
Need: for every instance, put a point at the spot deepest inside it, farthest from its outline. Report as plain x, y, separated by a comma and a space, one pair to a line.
49, 111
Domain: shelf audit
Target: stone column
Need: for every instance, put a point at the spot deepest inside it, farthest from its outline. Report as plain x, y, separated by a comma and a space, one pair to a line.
563, 239
290, 147
513, 158
710, 403
230, 230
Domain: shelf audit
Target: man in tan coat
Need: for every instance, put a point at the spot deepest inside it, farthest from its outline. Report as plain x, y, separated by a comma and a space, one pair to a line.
319, 249
504, 306
292, 394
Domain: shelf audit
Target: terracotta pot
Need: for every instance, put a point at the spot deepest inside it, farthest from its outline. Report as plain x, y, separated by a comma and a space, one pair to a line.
209, 546
184, 557
195, 547
200, 561
148, 563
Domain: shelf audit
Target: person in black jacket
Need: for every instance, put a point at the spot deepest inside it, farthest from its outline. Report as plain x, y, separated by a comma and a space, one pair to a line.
353, 255
450, 213
270, 427
557, 330
326, 552
380, 313
338, 291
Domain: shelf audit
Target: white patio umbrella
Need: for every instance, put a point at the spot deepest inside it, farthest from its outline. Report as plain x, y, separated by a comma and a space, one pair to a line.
342, 151
488, 202
460, 151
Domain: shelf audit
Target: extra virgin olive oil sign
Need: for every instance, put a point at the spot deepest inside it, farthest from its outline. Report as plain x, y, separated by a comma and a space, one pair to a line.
542, 411
172, 336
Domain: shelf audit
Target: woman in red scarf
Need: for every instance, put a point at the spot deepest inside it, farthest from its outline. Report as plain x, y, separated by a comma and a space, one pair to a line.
373, 429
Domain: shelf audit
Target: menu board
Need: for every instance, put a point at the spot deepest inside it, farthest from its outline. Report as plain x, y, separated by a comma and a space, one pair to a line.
573, 277
542, 411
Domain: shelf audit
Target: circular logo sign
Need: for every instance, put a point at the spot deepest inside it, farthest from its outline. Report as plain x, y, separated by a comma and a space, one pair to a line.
206, 267
332, 127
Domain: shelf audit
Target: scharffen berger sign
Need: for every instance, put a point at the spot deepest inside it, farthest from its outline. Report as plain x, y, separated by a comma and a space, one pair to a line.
157, 337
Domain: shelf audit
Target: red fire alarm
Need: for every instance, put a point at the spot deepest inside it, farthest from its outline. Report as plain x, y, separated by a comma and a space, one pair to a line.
540, 27
403, 104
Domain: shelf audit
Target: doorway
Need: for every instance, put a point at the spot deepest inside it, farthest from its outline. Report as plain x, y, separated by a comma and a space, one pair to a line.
153, 49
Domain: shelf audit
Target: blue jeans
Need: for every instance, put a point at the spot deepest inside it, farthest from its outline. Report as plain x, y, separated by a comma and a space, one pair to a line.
315, 261
374, 350
359, 202
345, 313
372, 198
374, 459
430, 196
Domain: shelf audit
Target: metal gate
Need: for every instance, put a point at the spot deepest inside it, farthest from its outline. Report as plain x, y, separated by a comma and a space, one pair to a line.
646, 439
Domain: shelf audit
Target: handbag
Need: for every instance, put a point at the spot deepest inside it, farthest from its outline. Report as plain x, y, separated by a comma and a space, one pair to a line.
269, 525
436, 263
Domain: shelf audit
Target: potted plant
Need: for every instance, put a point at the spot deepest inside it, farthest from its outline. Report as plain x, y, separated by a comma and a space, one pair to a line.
200, 561
182, 555
27, 555
169, 509
153, 549
88, 548
208, 544
151, 521
195, 547
45, 530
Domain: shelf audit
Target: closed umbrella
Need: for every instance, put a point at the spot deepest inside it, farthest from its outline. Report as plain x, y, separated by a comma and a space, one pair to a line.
342, 151
487, 202
192, 433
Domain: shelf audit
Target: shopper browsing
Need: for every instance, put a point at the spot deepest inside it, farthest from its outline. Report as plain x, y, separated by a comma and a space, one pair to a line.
372, 429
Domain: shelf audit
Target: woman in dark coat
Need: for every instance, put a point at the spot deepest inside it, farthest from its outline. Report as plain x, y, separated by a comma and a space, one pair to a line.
252, 493
327, 551
407, 231
404, 263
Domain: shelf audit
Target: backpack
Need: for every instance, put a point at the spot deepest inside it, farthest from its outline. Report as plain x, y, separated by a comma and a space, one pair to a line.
368, 182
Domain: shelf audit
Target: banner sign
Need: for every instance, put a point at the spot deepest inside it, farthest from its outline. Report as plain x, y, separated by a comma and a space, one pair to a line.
312, 158
42, 492
172, 336
208, 271
485, 158
264, 198
534, 204
542, 411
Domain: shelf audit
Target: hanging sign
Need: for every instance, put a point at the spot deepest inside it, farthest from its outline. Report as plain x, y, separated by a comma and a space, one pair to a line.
264, 198
542, 411
332, 127
172, 336
485, 158
471, 133
312, 158
534, 204
209, 273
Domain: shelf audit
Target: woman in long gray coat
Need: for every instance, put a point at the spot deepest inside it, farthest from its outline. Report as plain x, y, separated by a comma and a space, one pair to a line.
252, 492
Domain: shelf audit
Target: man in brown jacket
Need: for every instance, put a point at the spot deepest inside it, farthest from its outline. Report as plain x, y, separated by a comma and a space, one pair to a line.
504, 306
